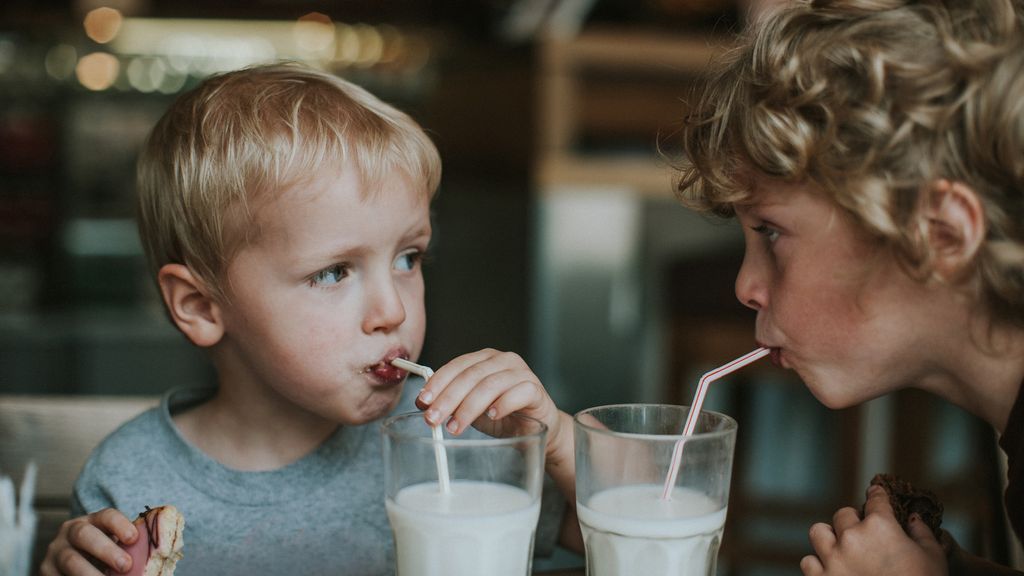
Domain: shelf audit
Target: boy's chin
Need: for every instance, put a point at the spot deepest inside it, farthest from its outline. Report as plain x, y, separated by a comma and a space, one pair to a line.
373, 408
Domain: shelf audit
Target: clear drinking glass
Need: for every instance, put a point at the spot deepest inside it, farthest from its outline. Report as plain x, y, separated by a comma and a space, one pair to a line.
623, 455
485, 524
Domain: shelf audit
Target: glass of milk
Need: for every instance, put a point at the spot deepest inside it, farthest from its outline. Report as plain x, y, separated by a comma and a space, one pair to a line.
623, 454
486, 521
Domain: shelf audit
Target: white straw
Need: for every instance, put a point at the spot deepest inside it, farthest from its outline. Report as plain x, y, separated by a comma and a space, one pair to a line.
440, 457
698, 400
28, 494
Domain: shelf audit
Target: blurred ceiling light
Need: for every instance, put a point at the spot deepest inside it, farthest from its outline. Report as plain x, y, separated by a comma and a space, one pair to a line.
172, 83
393, 44
315, 35
196, 47
97, 71
146, 74
371, 46
347, 45
60, 61
204, 46
102, 24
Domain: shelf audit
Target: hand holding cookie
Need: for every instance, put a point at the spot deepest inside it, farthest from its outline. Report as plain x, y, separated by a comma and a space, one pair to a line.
873, 542
907, 501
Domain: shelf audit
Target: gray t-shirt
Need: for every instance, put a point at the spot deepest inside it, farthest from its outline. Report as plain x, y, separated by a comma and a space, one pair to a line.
323, 514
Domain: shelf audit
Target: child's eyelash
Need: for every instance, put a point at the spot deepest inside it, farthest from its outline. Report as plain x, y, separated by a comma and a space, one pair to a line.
422, 256
767, 231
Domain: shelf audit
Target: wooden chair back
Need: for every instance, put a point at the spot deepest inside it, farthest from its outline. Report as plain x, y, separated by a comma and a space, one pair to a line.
58, 433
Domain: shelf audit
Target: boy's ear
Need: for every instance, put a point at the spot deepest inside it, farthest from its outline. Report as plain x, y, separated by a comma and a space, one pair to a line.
193, 310
956, 227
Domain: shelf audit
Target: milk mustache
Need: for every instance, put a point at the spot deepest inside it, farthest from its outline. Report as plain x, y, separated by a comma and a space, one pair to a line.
631, 531
478, 528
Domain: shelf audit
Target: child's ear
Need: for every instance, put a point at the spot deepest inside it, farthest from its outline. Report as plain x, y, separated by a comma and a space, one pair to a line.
193, 310
956, 227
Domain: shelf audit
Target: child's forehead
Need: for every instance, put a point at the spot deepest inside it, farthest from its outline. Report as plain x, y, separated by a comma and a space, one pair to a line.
362, 186
274, 208
766, 193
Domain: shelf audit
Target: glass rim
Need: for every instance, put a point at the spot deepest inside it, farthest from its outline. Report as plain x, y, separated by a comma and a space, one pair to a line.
730, 424
459, 442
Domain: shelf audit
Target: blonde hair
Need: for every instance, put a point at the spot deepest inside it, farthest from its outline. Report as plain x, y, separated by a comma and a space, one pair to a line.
242, 136
871, 100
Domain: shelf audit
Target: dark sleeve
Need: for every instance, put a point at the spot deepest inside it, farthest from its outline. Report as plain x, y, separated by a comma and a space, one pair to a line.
962, 563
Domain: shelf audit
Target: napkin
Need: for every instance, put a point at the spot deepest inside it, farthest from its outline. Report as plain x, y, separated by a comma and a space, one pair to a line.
17, 523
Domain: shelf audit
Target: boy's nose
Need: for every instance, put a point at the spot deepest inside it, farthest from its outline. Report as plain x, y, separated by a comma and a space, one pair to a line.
750, 285
384, 308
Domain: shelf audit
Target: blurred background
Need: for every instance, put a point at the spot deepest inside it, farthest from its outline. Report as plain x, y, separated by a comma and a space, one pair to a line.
557, 235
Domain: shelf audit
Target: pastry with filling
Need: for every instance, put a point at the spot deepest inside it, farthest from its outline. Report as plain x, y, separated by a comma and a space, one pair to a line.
158, 548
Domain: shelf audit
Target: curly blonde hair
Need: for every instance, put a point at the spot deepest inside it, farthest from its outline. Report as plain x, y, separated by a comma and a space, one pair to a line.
871, 100
240, 137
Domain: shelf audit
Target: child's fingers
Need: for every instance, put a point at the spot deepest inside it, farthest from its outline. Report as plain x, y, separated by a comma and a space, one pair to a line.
454, 381
923, 535
823, 539
468, 400
113, 522
844, 519
878, 503
517, 398
70, 561
469, 397
94, 538
811, 566
450, 371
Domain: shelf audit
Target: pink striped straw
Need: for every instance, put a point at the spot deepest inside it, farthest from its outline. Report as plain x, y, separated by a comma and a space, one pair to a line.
698, 400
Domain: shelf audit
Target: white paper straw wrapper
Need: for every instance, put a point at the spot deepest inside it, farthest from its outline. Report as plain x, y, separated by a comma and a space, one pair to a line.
440, 457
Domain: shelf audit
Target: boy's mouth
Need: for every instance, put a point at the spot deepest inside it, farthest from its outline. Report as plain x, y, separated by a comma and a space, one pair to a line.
775, 356
383, 369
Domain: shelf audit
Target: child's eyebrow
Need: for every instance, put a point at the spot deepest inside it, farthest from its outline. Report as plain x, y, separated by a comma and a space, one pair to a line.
419, 230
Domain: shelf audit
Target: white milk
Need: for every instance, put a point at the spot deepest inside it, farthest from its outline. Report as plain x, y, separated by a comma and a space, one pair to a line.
630, 531
479, 528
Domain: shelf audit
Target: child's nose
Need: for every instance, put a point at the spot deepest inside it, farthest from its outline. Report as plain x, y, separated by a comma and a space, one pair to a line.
750, 284
384, 308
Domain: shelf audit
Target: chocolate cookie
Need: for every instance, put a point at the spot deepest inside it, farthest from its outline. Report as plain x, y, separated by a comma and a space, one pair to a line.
907, 500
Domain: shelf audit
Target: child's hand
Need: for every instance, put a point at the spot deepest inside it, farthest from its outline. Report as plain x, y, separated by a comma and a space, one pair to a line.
481, 388
875, 545
86, 542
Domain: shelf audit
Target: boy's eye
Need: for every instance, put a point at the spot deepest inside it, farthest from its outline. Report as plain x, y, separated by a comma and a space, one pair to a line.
329, 276
408, 260
770, 233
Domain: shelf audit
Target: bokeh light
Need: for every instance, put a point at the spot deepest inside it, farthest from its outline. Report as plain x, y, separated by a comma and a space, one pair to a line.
60, 61
97, 71
102, 24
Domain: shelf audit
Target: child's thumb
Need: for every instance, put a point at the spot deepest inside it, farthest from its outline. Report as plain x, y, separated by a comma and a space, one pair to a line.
922, 534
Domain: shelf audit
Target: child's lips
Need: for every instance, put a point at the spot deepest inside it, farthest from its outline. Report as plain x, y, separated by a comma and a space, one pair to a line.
385, 372
775, 355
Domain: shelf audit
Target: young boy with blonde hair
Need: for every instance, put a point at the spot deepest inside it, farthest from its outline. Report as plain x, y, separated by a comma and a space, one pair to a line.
284, 213
873, 152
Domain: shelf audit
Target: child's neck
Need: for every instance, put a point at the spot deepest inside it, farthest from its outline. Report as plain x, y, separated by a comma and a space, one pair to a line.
252, 433
986, 374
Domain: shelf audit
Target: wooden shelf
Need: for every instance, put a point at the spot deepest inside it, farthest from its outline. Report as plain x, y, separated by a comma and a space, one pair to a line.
646, 175
615, 89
